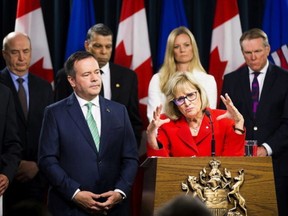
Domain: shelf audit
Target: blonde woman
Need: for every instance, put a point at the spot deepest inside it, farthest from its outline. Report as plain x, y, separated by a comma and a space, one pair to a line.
185, 130
181, 55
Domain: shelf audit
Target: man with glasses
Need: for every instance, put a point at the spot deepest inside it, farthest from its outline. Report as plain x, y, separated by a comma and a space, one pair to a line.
259, 90
189, 126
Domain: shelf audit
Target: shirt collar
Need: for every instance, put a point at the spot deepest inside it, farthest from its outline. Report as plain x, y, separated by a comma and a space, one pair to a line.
83, 102
105, 68
15, 77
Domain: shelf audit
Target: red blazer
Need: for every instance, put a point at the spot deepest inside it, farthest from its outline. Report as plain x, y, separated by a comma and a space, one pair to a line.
178, 141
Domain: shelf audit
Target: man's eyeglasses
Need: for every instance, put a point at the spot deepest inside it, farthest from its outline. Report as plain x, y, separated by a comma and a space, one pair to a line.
190, 97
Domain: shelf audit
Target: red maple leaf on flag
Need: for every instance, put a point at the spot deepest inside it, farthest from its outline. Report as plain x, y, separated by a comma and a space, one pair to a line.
133, 48
38, 69
29, 19
226, 55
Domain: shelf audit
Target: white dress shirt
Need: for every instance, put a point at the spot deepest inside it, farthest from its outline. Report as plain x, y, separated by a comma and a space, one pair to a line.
261, 78
106, 80
97, 117
95, 110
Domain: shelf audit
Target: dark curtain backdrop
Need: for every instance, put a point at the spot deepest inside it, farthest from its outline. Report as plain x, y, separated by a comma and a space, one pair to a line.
200, 15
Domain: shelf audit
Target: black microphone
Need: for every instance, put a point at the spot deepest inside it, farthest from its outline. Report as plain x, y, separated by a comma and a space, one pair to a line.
208, 114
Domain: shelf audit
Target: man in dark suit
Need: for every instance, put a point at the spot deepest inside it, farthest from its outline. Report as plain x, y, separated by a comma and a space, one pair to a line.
266, 119
10, 148
90, 171
120, 84
36, 94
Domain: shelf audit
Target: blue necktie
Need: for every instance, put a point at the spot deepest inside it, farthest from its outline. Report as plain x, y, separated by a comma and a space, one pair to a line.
255, 93
92, 125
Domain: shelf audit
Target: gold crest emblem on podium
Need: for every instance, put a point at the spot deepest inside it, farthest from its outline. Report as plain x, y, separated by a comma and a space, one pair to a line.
218, 190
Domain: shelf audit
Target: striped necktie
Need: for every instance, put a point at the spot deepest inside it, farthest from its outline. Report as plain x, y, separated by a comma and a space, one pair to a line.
255, 93
92, 125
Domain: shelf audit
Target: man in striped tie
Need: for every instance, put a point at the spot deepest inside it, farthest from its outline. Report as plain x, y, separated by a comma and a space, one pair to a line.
88, 150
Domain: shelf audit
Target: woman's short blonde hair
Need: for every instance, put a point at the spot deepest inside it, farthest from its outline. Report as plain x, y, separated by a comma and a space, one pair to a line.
179, 82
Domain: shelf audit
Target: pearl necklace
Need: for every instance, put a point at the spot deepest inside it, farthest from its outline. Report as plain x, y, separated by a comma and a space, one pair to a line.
195, 130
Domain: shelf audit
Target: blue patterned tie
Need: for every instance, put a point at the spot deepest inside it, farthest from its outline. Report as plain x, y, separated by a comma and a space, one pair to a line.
255, 93
92, 125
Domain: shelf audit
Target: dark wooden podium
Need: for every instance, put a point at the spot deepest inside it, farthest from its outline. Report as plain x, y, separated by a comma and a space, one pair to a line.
163, 178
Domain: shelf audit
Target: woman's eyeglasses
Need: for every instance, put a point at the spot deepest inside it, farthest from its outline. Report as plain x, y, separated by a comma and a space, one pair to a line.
190, 97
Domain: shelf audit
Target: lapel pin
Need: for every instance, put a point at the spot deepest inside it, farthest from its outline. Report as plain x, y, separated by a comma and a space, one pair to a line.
108, 110
117, 85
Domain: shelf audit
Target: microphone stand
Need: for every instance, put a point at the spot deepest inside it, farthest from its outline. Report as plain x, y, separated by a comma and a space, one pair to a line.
208, 114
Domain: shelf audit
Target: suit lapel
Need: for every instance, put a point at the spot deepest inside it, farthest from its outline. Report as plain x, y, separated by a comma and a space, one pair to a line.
32, 85
115, 77
205, 130
105, 124
268, 84
244, 78
185, 135
76, 114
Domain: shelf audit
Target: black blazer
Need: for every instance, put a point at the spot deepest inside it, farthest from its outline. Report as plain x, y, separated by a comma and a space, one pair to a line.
10, 148
271, 123
40, 95
124, 90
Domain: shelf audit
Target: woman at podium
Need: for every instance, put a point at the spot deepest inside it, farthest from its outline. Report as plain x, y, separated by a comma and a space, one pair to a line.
190, 128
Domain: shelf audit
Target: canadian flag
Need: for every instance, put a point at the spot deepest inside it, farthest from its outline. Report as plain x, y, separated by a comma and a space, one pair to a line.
29, 19
225, 55
133, 48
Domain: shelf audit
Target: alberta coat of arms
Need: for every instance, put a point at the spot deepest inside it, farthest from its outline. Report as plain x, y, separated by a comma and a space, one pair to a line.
218, 190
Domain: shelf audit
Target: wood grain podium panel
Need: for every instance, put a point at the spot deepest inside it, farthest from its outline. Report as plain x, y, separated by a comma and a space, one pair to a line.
163, 178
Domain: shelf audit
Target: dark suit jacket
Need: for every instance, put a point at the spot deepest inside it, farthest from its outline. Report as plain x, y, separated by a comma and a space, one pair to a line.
10, 148
271, 122
40, 95
178, 141
69, 158
124, 89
